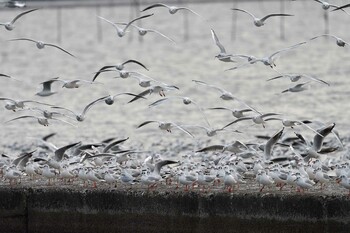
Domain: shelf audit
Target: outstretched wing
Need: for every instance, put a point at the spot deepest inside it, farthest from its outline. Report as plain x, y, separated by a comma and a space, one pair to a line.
155, 5
217, 42
21, 14
58, 47
237, 9
134, 61
273, 15
138, 18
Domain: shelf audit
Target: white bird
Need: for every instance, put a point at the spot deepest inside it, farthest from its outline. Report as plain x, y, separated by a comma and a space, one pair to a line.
70, 84
15, 4
271, 142
155, 89
46, 91
257, 119
41, 44
321, 177
225, 95
340, 42
297, 77
222, 56
297, 88
267, 60
264, 179
303, 183
344, 182
41, 120
144, 31
81, 116
172, 9
166, 126
185, 100
229, 181
260, 21
13, 105
327, 5
48, 173
238, 113
10, 25
121, 31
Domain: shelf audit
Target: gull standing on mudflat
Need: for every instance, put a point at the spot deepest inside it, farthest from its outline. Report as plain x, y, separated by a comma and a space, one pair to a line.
41, 45
121, 31
172, 9
340, 42
260, 21
10, 25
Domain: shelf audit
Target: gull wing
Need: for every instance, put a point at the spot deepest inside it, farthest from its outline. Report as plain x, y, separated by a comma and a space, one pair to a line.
217, 42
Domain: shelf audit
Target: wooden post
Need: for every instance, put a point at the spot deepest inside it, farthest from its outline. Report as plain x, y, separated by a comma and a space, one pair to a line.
234, 21
282, 22
98, 24
326, 22
59, 25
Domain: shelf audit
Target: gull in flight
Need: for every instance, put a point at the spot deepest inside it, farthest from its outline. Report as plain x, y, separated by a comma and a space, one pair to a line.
166, 126
143, 82
271, 142
172, 9
297, 88
225, 95
158, 88
222, 56
341, 7
109, 100
13, 105
144, 31
327, 5
268, 60
260, 21
340, 42
14, 4
185, 100
10, 25
70, 84
46, 91
297, 77
258, 119
121, 66
41, 45
121, 31
238, 113
291, 123
8, 76
41, 120
81, 116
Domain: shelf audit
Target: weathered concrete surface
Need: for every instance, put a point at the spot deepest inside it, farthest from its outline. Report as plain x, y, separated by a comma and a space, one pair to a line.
72, 210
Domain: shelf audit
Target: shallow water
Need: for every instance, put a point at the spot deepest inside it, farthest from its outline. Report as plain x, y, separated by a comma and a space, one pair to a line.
173, 64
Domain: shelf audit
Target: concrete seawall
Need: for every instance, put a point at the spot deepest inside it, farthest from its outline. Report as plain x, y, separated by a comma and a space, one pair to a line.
71, 210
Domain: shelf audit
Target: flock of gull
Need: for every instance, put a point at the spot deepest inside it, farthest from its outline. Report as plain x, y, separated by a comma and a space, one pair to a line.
280, 161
